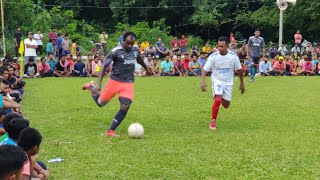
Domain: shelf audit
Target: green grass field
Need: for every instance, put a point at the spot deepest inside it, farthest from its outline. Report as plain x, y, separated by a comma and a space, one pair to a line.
270, 132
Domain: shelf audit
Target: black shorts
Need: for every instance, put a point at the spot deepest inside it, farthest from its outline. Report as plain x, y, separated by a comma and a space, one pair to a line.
255, 60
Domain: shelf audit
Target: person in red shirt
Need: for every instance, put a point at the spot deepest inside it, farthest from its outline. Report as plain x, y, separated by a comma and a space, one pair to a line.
179, 67
175, 44
53, 37
70, 60
44, 68
185, 63
183, 44
307, 67
279, 67
232, 39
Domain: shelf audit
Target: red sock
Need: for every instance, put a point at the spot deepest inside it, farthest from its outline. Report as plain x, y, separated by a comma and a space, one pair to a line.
215, 107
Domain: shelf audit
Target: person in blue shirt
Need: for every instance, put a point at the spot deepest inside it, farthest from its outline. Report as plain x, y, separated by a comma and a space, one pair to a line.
265, 66
202, 59
52, 62
79, 69
167, 67
59, 43
49, 48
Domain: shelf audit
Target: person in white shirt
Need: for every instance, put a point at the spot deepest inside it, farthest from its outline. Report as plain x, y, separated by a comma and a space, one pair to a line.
283, 50
30, 46
265, 66
222, 65
38, 37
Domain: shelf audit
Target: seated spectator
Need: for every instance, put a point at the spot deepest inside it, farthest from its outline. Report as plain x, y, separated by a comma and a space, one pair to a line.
296, 69
96, 66
7, 92
163, 51
30, 69
185, 63
272, 52
179, 68
295, 51
194, 67
305, 57
275, 59
62, 68
279, 68
44, 68
283, 50
88, 64
287, 59
156, 67
69, 58
30, 140
265, 66
139, 70
79, 68
167, 68
52, 62
151, 50
175, 45
2, 114
13, 128
307, 68
5, 121
144, 45
12, 161
195, 50
207, 49
202, 59
149, 63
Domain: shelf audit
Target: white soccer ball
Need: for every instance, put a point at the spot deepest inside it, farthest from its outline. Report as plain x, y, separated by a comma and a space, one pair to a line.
135, 131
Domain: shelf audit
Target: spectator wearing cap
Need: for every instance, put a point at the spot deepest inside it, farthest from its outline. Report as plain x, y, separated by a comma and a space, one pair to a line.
30, 48
265, 66
30, 69
44, 68
279, 67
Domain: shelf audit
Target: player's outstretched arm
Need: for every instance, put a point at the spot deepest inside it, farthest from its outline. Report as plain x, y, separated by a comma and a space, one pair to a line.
106, 63
240, 72
203, 80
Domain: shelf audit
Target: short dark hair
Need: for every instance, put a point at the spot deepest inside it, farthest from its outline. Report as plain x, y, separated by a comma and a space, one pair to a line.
257, 30
6, 82
12, 160
266, 56
50, 54
29, 138
31, 60
201, 53
179, 55
15, 126
242, 61
129, 34
194, 55
8, 117
224, 38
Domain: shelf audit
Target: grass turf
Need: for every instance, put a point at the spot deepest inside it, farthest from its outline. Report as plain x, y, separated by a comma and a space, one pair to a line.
271, 131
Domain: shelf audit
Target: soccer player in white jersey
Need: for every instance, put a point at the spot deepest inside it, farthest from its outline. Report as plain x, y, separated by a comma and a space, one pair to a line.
222, 65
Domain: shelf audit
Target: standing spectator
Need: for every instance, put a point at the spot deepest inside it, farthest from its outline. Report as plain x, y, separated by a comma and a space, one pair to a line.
185, 63
103, 39
59, 44
265, 66
163, 51
53, 37
283, 50
62, 68
38, 37
49, 48
175, 45
195, 67
202, 59
232, 39
207, 49
44, 69
183, 44
121, 38
195, 50
66, 43
255, 50
167, 67
17, 40
272, 52
151, 50
298, 39
79, 69
30, 46
30, 69
52, 62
